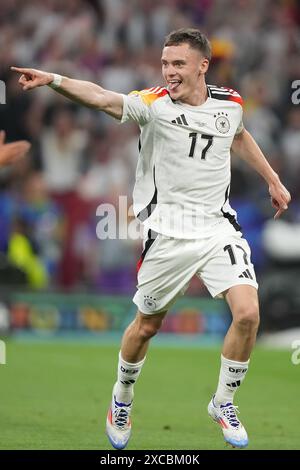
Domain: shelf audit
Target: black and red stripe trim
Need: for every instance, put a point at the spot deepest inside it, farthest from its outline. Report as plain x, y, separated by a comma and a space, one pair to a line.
151, 236
230, 217
224, 93
147, 211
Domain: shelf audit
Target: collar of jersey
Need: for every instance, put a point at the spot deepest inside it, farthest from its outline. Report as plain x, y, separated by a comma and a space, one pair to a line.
200, 106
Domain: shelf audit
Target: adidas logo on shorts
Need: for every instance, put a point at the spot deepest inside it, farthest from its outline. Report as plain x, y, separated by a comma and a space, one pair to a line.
246, 274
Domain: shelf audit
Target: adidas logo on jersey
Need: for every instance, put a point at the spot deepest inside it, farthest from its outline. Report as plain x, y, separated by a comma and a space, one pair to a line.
246, 274
180, 120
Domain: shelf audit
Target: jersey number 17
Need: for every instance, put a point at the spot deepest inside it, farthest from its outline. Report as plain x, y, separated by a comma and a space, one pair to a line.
193, 136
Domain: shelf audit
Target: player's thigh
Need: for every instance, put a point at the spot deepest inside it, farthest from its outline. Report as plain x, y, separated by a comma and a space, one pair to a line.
164, 274
228, 264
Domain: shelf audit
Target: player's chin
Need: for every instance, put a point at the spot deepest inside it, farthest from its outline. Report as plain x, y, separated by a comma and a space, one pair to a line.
175, 94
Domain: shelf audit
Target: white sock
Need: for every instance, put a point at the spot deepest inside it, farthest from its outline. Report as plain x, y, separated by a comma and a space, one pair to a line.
128, 374
232, 373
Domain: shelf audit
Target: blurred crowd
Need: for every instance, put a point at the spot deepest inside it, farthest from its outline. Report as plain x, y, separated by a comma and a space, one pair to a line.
82, 158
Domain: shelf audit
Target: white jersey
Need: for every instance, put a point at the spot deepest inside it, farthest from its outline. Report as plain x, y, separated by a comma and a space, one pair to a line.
183, 173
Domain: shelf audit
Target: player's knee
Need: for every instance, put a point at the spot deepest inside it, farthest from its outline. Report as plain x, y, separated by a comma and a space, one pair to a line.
247, 316
147, 328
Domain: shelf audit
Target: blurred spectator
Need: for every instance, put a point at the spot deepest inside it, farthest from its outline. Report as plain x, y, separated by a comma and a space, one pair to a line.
46, 222
290, 141
22, 254
62, 147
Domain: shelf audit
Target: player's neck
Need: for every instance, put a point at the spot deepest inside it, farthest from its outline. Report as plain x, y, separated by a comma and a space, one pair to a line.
198, 97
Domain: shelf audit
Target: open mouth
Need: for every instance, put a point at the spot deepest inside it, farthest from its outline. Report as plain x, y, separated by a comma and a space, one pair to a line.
173, 84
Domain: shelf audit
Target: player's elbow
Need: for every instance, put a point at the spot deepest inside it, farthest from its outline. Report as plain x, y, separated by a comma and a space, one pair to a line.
109, 102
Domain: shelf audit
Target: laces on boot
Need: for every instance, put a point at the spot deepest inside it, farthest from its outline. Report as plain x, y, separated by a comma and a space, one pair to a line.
121, 413
229, 411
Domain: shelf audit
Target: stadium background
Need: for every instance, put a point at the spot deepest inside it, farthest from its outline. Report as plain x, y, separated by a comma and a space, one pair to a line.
66, 295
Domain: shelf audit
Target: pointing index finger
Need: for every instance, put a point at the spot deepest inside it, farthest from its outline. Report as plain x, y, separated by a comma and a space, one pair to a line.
18, 69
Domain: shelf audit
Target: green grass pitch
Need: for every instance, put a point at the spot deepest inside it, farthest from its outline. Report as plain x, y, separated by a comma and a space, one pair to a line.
55, 396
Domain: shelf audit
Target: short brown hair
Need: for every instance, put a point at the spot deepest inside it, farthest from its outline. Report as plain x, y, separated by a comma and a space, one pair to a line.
193, 37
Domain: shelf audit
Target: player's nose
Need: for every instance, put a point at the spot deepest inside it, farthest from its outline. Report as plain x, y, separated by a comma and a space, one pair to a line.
171, 76
170, 71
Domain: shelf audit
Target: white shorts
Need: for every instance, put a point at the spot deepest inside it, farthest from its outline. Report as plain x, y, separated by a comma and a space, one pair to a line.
168, 264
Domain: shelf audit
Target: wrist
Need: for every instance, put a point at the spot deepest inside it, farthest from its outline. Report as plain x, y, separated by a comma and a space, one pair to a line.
273, 178
56, 82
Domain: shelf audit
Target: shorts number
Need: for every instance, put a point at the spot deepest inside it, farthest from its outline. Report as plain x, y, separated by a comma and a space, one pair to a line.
232, 255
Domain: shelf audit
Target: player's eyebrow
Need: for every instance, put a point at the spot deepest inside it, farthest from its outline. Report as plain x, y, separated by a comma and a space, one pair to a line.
176, 61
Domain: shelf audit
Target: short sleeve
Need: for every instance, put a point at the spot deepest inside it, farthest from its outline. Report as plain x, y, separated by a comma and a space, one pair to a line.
135, 109
240, 126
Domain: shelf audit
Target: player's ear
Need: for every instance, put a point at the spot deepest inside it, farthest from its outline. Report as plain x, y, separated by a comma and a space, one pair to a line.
203, 66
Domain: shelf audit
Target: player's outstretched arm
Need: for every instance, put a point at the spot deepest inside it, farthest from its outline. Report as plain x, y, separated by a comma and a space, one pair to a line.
9, 153
245, 147
86, 93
